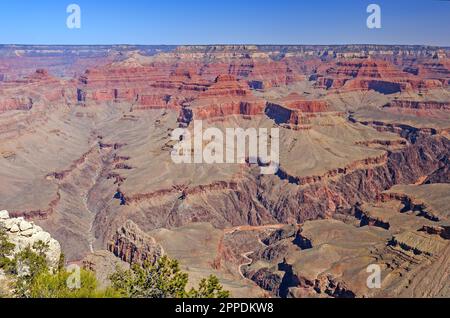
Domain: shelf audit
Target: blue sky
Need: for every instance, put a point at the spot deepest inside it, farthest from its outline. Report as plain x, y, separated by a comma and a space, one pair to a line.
224, 22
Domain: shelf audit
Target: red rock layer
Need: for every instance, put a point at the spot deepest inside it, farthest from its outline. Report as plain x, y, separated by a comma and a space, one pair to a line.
39, 87
153, 86
357, 165
184, 190
287, 117
295, 101
259, 73
187, 79
434, 69
370, 74
227, 96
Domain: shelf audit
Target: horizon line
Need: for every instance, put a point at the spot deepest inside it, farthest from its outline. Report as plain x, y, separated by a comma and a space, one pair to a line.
230, 44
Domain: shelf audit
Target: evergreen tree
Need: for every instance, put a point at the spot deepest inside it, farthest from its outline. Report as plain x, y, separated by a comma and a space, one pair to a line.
48, 285
209, 288
161, 280
164, 279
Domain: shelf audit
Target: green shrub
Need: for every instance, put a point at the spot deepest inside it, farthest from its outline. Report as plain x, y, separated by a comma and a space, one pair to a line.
6, 248
30, 264
48, 285
164, 279
34, 279
209, 288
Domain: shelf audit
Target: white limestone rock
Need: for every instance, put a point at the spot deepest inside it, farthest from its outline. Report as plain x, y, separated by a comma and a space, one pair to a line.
4, 215
8, 224
25, 234
14, 228
24, 225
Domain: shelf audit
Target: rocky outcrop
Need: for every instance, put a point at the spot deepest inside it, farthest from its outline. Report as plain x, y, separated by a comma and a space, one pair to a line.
227, 96
281, 234
25, 234
442, 230
132, 245
370, 220
433, 69
267, 280
417, 243
154, 86
295, 112
288, 118
370, 74
333, 287
408, 132
103, 264
39, 88
442, 174
426, 105
295, 101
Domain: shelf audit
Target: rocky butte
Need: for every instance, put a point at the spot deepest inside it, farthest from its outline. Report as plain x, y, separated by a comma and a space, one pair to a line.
363, 179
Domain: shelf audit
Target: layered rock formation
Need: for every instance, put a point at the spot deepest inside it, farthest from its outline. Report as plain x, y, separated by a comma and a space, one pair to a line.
425, 105
371, 74
227, 96
38, 88
132, 245
295, 101
365, 124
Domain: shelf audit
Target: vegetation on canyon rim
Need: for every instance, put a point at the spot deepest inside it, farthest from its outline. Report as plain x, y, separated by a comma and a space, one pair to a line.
164, 279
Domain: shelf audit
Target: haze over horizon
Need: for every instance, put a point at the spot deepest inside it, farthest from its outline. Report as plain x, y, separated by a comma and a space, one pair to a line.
417, 22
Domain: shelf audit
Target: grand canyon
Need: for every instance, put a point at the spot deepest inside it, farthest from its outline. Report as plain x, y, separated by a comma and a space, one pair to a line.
363, 178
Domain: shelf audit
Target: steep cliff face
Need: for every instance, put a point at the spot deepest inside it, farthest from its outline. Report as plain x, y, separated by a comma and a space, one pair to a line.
318, 198
371, 74
227, 96
132, 245
290, 118
297, 102
442, 174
